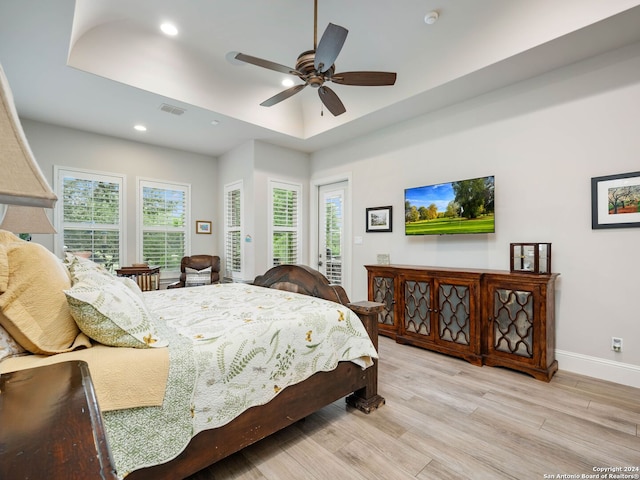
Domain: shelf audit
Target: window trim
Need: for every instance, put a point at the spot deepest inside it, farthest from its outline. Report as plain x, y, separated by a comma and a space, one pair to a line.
271, 229
142, 182
59, 173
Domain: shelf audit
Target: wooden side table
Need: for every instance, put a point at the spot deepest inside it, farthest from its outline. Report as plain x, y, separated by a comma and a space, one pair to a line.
147, 278
51, 426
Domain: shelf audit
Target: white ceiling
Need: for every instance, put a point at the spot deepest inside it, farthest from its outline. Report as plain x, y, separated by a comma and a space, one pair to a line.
103, 65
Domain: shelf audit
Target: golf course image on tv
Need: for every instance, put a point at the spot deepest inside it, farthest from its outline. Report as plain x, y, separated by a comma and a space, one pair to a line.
465, 206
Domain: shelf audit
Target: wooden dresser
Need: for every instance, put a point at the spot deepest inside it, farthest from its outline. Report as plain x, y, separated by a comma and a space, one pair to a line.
487, 317
50, 425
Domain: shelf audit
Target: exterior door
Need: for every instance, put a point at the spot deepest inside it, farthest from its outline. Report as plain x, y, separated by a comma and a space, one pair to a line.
331, 231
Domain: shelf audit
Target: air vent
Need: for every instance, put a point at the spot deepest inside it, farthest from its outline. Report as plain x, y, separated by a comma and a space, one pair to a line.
165, 107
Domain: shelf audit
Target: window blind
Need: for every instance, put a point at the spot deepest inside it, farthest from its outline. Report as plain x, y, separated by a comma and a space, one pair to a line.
333, 238
91, 215
164, 225
233, 229
285, 223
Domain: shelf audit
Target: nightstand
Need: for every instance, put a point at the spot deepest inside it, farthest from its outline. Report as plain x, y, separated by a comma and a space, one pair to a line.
147, 278
51, 426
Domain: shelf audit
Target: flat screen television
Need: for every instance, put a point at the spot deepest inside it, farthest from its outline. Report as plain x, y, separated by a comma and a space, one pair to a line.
465, 206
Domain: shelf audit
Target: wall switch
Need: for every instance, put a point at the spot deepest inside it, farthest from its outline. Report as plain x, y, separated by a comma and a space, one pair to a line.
616, 344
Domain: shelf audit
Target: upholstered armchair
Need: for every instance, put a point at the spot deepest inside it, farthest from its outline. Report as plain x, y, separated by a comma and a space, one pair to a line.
198, 270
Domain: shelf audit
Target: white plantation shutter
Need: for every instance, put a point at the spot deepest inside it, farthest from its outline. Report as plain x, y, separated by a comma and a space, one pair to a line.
163, 222
90, 216
334, 222
233, 217
285, 203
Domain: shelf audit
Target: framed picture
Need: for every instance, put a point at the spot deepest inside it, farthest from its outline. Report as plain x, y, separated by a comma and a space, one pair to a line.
615, 201
379, 219
202, 226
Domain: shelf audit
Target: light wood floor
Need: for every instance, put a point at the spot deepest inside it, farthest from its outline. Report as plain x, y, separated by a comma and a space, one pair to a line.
446, 419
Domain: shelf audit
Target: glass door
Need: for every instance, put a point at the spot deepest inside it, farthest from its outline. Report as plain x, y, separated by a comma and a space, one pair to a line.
331, 231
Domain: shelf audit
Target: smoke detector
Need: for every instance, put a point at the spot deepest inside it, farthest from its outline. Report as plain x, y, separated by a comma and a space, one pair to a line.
431, 17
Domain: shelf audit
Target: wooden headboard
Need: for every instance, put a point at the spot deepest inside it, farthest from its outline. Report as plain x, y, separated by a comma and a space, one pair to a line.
302, 279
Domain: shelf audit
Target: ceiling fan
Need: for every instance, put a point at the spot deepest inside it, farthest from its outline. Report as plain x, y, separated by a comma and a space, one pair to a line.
315, 67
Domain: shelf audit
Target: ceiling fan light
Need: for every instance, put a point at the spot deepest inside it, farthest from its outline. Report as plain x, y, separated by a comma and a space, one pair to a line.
317, 66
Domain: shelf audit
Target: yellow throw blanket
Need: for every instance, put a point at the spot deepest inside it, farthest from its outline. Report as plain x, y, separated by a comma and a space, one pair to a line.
122, 377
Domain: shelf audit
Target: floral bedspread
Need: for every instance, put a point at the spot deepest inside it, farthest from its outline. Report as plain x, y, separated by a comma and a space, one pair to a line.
245, 344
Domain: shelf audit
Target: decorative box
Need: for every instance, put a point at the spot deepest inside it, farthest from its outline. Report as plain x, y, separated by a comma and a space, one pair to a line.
531, 258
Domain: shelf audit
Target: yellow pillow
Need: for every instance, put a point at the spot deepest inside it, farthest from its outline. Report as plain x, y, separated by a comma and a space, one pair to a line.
33, 306
8, 237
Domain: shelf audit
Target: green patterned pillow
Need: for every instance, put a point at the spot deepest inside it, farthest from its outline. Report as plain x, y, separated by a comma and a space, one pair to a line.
8, 346
85, 270
113, 313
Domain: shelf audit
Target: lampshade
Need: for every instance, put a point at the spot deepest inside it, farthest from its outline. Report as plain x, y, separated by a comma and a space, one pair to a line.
21, 180
20, 219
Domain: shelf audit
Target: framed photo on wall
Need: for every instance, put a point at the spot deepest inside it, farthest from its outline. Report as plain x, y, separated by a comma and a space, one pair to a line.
203, 226
379, 219
615, 201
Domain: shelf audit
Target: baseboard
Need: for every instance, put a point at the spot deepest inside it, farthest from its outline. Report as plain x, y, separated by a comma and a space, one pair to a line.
623, 373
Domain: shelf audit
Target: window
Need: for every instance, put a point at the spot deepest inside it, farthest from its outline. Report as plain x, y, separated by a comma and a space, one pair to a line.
163, 224
90, 219
233, 215
284, 214
333, 234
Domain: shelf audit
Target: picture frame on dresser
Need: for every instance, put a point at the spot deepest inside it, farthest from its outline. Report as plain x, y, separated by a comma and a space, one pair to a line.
615, 201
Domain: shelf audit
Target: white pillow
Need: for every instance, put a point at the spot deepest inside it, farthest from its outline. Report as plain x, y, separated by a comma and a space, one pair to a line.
85, 270
197, 277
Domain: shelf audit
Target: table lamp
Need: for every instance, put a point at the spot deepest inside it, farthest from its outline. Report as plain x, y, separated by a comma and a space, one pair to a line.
23, 187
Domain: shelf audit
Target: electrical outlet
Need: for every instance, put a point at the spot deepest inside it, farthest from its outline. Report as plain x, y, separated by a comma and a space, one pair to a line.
616, 344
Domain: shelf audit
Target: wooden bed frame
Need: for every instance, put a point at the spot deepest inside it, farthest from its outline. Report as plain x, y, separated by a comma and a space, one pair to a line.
294, 402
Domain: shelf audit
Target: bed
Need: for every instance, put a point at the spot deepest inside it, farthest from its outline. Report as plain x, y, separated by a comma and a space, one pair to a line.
222, 429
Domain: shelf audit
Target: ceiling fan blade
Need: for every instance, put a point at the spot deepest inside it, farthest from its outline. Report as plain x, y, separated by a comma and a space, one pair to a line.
329, 47
267, 64
283, 95
331, 101
366, 79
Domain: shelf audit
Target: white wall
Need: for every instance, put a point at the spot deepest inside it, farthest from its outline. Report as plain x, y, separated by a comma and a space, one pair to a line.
543, 139
255, 163
280, 164
234, 166
66, 147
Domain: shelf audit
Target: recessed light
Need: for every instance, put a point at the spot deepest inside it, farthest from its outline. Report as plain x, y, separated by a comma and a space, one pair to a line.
215, 122
169, 29
287, 82
140, 128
